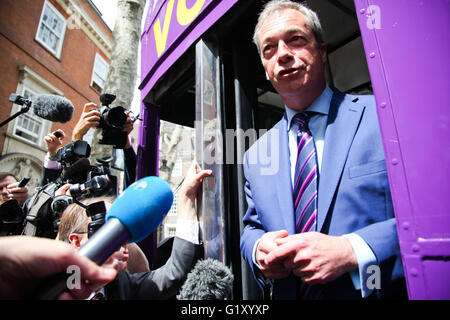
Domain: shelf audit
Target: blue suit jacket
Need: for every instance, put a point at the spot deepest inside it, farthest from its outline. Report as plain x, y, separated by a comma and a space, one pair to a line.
353, 195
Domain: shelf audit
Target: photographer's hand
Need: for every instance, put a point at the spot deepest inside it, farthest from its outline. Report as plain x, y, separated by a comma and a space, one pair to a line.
128, 127
53, 142
88, 119
18, 193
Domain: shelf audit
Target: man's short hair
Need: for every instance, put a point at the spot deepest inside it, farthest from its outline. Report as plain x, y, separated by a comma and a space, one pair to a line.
311, 18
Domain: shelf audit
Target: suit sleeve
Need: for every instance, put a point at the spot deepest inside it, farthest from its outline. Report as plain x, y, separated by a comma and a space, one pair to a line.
164, 282
253, 229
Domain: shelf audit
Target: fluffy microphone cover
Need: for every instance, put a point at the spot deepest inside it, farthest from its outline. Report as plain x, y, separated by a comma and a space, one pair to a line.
208, 280
53, 108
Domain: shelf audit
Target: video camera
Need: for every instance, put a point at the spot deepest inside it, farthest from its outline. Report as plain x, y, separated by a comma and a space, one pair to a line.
96, 211
11, 218
73, 151
42, 216
112, 122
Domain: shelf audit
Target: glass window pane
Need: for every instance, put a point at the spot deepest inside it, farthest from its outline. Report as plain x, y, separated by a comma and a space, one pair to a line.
100, 71
176, 152
51, 29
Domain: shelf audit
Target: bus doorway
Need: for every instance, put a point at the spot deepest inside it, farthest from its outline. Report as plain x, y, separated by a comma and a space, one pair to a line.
218, 89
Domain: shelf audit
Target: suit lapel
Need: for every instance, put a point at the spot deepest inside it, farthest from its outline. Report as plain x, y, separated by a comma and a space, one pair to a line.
343, 121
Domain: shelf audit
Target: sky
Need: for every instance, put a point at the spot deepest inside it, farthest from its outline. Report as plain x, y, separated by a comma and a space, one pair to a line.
108, 8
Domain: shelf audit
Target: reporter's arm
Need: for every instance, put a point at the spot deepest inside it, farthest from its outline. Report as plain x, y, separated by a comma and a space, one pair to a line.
25, 261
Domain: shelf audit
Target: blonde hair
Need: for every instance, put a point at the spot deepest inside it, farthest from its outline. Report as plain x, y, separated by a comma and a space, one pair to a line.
311, 18
74, 218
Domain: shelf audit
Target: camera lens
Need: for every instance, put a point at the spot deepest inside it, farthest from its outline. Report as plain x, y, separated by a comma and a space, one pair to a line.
116, 117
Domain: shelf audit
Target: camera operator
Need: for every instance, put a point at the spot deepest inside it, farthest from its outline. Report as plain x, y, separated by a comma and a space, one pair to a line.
90, 118
75, 223
52, 168
13, 199
165, 281
10, 189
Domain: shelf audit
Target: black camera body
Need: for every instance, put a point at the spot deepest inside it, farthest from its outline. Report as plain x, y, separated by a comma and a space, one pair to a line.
11, 218
112, 122
97, 212
73, 151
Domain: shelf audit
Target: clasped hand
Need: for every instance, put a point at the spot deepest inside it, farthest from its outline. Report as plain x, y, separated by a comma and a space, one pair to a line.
314, 257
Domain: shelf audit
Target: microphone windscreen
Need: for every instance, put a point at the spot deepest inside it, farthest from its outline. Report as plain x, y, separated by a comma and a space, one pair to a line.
53, 108
142, 206
208, 280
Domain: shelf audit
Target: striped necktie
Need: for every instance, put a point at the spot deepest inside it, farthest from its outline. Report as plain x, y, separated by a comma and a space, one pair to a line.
306, 177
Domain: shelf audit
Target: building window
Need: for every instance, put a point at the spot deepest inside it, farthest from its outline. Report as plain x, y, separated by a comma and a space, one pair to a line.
52, 28
99, 73
29, 126
170, 231
173, 209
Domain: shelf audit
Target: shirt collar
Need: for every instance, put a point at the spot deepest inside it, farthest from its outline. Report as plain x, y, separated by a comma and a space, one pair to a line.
320, 105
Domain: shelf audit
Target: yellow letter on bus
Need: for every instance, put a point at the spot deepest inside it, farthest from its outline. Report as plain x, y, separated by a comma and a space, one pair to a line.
161, 37
185, 15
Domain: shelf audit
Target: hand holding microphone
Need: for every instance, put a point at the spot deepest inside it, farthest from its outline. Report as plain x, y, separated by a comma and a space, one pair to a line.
135, 214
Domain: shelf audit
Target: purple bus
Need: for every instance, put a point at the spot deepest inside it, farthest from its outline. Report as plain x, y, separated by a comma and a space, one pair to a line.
199, 69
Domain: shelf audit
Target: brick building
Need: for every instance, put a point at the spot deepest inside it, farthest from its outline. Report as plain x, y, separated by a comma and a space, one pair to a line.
47, 46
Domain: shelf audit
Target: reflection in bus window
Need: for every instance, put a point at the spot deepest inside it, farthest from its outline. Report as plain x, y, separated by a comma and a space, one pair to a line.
176, 152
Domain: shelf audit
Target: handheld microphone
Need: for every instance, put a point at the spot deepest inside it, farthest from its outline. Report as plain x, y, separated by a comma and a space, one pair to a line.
135, 214
208, 280
52, 107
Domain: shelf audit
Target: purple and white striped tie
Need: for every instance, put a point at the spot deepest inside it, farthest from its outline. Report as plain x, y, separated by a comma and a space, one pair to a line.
306, 176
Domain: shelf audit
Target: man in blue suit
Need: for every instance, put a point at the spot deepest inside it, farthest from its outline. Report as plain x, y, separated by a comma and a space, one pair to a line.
351, 250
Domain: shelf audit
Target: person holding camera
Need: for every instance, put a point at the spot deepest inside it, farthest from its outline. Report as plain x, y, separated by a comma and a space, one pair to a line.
165, 281
9, 187
91, 118
51, 168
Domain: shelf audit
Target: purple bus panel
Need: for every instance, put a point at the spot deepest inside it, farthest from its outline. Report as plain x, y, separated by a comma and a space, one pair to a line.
407, 45
171, 27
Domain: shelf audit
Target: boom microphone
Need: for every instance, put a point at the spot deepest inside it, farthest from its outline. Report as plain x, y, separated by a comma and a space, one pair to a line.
208, 280
53, 108
135, 214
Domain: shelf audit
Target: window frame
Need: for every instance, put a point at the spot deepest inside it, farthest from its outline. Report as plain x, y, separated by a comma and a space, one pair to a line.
44, 124
99, 58
57, 52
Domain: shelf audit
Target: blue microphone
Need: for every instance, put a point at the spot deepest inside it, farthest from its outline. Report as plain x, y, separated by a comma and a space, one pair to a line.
134, 215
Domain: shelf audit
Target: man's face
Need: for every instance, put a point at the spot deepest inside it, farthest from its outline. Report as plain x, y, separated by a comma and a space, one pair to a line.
4, 183
292, 58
